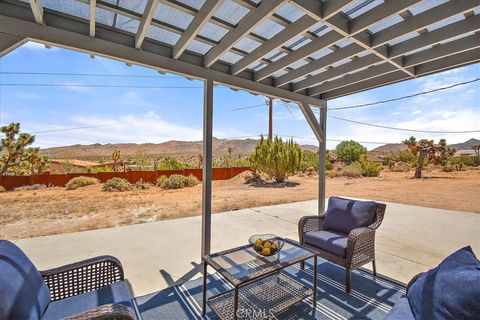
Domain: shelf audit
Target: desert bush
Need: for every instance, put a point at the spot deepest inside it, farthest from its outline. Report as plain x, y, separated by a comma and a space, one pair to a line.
353, 170
459, 166
141, 185
81, 181
310, 171
469, 161
31, 187
369, 168
117, 184
100, 169
2, 189
350, 151
399, 166
178, 181
170, 163
448, 168
161, 180
331, 173
277, 159
252, 177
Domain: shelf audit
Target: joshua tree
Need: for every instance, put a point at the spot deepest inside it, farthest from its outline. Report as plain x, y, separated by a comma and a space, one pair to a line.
15, 152
115, 157
427, 149
476, 148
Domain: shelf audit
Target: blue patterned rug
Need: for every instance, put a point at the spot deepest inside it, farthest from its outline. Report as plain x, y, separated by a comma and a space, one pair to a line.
371, 298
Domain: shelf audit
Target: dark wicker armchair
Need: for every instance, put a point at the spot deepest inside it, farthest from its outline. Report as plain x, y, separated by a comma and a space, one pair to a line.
360, 245
88, 289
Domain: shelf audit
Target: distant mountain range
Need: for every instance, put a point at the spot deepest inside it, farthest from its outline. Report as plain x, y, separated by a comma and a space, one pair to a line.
193, 148
169, 148
467, 145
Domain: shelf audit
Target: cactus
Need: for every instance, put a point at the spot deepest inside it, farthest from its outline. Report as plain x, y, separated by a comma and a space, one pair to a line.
115, 157
277, 159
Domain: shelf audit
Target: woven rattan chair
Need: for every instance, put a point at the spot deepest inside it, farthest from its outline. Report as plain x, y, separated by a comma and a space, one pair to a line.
88, 289
360, 243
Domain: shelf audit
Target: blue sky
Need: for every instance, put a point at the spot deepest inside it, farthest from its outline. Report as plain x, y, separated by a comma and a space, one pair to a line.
138, 115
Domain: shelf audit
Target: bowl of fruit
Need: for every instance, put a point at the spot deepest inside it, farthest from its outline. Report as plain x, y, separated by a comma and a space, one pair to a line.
266, 244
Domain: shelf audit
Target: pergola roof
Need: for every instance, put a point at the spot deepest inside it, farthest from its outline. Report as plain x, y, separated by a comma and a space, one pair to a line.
298, 50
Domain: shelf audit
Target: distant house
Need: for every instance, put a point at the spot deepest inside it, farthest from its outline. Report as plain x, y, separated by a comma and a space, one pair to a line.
60, 166
465, 152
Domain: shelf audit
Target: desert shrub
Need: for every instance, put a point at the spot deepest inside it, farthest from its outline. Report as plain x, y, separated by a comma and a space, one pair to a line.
170, 163
177, 181
331, 173
31, 187
117, 184
310, 171
459, 166
369, 168
389, 158
353, 170
81, 181
448, 168
469, 161
252, 177
161, 180
407, 157
141, 185
277, 159
2, 189
399, 166
350, 151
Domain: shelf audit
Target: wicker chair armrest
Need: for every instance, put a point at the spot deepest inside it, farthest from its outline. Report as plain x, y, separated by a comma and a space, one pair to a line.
82, 276
360, 245
107, 311
309, 223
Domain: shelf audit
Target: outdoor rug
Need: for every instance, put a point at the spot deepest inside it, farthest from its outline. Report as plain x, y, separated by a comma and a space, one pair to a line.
371, 298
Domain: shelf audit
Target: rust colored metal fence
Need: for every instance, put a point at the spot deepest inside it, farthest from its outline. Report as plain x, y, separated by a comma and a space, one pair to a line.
59, 180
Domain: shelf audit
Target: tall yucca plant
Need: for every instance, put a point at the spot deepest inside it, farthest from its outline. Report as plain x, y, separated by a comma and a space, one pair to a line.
277, 159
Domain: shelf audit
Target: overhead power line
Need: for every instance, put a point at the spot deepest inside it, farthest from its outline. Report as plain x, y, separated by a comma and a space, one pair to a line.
87, 74
400, 129
74, 128
250, 107
404, 97
95, 86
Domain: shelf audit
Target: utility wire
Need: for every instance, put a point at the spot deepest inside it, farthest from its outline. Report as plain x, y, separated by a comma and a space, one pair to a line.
95, 86
74, 128
250, 107
405, 97
87, 74
400, 129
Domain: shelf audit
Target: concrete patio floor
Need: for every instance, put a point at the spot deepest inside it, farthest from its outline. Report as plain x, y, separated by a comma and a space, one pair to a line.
156, 255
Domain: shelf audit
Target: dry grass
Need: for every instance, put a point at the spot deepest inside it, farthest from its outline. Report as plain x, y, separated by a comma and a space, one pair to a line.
31, 213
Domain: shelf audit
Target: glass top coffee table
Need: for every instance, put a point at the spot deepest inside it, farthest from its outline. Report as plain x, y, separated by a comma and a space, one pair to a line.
259, 289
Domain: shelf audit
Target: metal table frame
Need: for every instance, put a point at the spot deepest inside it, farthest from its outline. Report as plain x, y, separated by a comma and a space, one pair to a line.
206, 262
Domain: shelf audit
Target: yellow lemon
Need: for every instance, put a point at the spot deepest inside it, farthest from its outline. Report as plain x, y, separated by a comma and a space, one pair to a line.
266, 251
258, 242
268, 244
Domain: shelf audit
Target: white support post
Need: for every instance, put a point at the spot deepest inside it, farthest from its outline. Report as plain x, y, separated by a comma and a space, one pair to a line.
207, 166
322, 152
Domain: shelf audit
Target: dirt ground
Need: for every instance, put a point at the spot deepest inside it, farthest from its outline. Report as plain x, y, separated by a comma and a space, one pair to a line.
48, 211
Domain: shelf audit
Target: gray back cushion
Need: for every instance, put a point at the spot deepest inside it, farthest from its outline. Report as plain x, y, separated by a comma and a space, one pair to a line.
23, 293
344, 215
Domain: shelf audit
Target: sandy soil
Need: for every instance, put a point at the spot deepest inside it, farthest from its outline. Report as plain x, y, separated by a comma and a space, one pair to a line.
34, 213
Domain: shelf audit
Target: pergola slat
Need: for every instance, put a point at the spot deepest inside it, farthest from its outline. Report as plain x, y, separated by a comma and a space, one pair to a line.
424, 19
360, 76
201, 18
443, 50
275, 42
145, 22
93, 7
447, 63
335, 72
316, 45
340, 54
461, 27
37, 11
253, 19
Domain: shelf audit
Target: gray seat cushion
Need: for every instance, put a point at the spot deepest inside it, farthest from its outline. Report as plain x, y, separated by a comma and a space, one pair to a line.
114, 293
344, 215
401, 311
23, 293
331, 241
